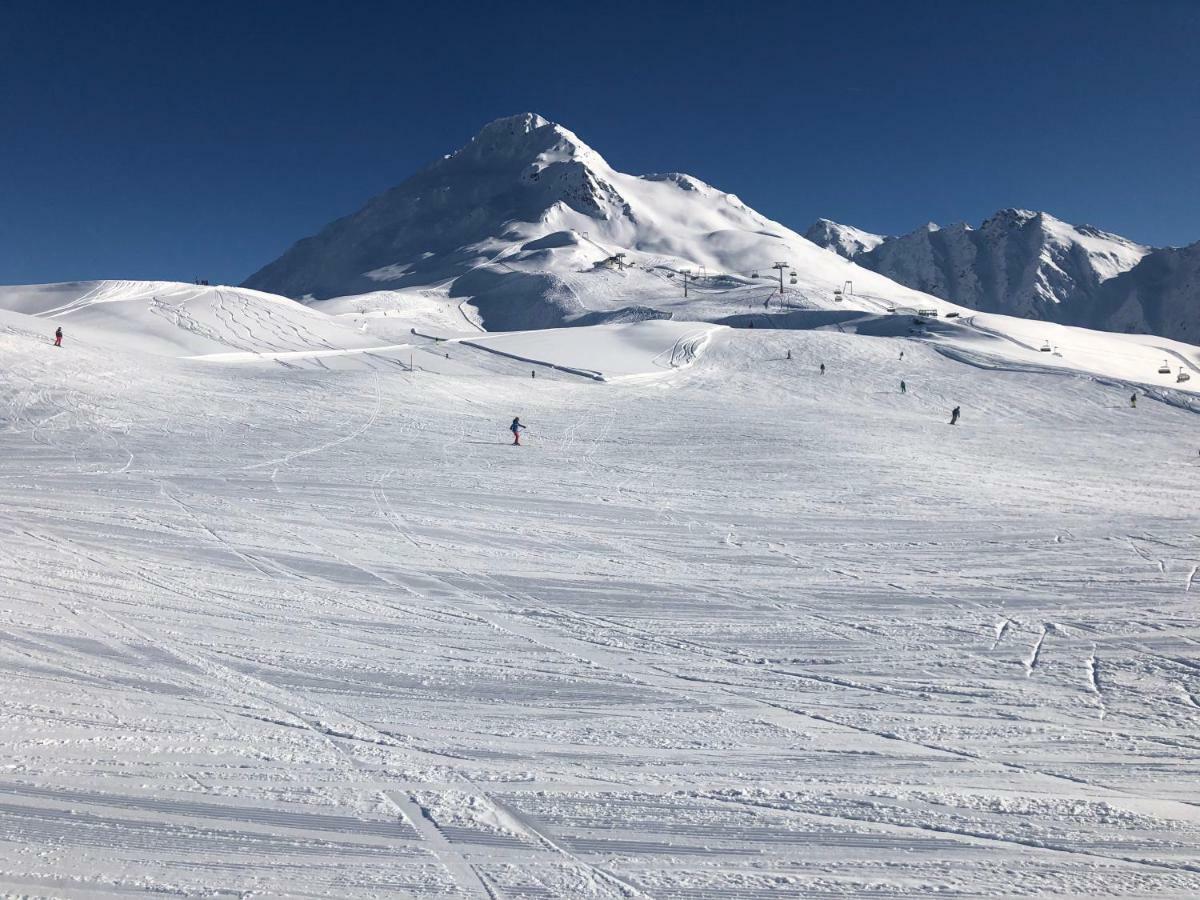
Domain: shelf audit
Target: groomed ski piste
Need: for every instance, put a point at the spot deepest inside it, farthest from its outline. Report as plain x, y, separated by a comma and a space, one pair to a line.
284, 613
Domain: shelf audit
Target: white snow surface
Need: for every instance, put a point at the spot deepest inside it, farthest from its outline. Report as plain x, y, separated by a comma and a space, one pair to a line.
308, 626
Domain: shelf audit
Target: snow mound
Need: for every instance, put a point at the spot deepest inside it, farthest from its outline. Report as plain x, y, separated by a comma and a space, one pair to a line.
174, 319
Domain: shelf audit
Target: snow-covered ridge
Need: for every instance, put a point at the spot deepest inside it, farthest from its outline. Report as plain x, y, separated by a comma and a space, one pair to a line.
844, 240
1018, 261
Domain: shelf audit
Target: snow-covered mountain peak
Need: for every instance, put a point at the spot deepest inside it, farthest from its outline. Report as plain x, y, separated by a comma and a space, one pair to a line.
845, 240
527, 139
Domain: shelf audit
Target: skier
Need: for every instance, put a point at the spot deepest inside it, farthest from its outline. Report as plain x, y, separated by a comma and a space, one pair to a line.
58, 336
789, 356
902, 354
822, 368
954, 416
533, 373
903, 388
1133, 400
516, 428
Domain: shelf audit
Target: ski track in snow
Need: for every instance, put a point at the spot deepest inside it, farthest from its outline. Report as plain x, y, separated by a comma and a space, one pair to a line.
317, 631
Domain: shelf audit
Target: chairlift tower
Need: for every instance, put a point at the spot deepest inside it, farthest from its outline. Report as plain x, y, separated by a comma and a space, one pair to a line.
781, 266
686, 273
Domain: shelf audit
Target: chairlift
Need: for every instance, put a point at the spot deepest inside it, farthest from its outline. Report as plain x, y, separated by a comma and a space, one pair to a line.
837, 294
1164, 369
1182, 376
891, 307
1046, 348
792, 279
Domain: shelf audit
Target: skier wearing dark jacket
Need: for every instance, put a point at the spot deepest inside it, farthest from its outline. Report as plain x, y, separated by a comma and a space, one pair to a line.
58, 336
516, 428
954, 416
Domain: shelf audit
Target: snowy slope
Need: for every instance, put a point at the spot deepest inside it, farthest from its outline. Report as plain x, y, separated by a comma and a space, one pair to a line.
1017, 262
738, 631
526, 222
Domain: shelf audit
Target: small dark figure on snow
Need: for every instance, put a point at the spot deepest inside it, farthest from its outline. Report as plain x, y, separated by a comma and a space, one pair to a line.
58, 336
822, 368
903, 388
516, 428
533, 373
789, 356
954, 416
902, 354
1133, 400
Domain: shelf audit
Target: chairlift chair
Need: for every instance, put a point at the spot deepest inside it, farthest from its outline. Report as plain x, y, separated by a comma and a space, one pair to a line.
1182, 376
1164, 369
1046, 348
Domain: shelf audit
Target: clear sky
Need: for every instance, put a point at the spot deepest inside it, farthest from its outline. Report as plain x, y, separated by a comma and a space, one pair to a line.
200, 139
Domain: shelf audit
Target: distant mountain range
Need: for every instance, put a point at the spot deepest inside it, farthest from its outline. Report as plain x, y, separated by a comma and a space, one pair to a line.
1030, 264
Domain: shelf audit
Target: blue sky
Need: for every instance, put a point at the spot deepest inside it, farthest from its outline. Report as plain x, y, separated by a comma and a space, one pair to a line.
183, 140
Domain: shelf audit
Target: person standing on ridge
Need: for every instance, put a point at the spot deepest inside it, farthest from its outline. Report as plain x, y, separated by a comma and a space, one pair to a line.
1133, 400
58, 336
516, 428
954, 416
